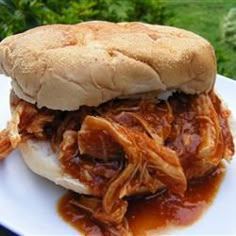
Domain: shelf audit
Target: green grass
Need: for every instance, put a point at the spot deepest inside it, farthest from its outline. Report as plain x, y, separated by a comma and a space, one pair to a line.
205, 18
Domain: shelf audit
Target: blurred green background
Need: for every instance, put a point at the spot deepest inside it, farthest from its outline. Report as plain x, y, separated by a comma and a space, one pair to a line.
215, 20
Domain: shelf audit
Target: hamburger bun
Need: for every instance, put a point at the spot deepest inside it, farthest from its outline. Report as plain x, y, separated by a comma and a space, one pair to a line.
67, 66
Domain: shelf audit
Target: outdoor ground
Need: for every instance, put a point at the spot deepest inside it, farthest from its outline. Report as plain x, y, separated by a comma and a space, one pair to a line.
206, 18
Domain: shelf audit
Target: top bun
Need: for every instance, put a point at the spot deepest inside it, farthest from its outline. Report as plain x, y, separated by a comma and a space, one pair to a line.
67, 66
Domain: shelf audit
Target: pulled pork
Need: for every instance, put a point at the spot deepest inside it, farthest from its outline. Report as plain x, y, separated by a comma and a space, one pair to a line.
128, 147
145, 166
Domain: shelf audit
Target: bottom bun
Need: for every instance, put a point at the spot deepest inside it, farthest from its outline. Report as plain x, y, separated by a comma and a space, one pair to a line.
40, 158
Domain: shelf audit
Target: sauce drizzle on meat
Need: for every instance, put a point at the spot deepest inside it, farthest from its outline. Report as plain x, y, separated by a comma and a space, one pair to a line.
156, 214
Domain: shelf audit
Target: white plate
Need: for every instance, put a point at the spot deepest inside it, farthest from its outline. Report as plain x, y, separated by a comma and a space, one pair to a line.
28, 202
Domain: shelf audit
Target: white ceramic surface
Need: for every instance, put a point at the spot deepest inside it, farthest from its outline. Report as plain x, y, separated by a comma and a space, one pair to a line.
28, 202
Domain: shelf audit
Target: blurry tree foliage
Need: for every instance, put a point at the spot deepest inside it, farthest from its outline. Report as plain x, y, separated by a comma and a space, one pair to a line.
204, 17
19, 15
229, 28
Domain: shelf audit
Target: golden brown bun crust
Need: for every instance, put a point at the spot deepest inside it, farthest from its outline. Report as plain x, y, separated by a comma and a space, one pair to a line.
67, 66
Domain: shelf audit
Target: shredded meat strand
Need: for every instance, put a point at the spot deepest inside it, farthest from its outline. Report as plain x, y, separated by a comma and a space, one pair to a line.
94, 207
5, 144
68, 147
223, 115
151, 118
10, 137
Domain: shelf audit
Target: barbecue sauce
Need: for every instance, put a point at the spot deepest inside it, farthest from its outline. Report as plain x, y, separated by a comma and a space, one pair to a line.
155, 214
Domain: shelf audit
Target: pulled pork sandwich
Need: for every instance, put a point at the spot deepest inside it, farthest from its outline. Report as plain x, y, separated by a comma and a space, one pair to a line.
114, 110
